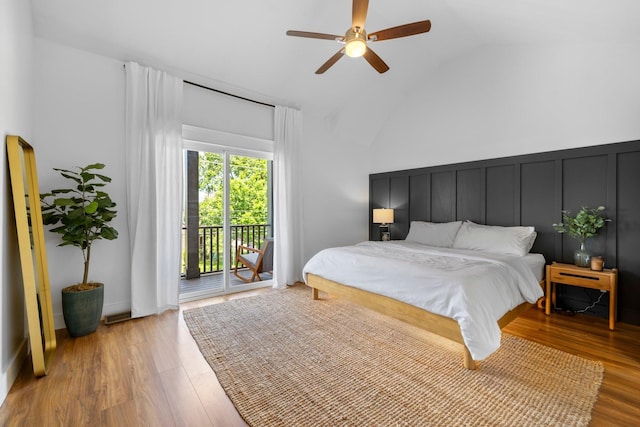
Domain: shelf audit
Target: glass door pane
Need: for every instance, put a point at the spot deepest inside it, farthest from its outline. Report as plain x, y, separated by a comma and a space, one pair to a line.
228, 205
203, 236
250, 218
211, 183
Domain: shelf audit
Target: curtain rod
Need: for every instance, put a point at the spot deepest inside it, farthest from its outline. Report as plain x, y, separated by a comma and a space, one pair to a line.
223, 92
230, 94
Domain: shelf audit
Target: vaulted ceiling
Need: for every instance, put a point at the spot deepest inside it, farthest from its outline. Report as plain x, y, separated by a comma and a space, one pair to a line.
242, 46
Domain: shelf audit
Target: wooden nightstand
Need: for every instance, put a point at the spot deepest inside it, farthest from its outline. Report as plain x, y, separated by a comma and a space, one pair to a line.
567, 274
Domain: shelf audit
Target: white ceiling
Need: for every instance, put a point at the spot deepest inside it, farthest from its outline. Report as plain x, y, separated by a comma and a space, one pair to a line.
241, 44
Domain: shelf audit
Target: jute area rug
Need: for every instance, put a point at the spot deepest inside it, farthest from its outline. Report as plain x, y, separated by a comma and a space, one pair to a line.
286, 360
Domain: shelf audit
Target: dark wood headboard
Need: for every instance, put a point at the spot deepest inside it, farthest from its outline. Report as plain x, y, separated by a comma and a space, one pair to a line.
533, 190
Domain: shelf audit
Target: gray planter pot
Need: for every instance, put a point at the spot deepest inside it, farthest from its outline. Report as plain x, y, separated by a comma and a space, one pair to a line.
82, 310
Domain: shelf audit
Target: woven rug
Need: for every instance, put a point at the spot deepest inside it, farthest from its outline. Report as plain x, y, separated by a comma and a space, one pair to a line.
287, 360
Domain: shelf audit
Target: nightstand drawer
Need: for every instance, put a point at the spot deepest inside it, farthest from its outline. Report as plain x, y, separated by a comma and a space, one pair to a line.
586, 278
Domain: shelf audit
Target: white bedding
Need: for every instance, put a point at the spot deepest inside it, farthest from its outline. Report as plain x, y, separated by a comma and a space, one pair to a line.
474, 288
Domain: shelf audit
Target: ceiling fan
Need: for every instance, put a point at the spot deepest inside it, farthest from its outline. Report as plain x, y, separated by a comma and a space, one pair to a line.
356, 38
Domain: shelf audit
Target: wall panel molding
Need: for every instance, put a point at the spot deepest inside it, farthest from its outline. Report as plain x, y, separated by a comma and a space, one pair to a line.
532, 190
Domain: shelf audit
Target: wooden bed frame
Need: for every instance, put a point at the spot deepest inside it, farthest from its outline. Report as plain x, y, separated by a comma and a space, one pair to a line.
435, 323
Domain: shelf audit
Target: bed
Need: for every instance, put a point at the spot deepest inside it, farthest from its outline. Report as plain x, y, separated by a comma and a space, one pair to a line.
463, 281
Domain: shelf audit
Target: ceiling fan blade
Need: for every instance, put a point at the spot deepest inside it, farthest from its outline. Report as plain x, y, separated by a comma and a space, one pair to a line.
401, 31
314, 35
375, 61
359, 13
330, 62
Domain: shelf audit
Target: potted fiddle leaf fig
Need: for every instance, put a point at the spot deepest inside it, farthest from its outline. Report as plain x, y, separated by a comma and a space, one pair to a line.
81, 215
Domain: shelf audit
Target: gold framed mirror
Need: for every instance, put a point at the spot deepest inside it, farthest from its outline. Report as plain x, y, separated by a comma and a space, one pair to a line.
33, 259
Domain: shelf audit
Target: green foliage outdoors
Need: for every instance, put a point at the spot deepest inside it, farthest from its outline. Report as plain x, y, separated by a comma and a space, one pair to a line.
584, 224
80, 214
248, 196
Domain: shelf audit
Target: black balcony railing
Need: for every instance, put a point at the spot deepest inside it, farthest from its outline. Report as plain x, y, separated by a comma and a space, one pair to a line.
211, 240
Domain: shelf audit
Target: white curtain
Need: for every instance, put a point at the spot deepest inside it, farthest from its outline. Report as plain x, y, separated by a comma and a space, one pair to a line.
154, 187
287, 230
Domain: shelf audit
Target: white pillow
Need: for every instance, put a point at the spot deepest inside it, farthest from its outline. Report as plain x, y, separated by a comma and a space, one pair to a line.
495, 239
433, 233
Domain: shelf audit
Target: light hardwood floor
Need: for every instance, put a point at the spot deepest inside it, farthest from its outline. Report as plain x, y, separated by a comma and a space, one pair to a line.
149, 372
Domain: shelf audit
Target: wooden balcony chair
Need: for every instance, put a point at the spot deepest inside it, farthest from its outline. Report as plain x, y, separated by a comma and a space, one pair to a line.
256, 260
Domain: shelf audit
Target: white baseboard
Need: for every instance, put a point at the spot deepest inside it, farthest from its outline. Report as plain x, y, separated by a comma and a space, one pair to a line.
58, 321
8, 377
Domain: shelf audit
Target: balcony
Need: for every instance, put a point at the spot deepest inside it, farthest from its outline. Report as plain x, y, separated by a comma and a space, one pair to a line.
210, 257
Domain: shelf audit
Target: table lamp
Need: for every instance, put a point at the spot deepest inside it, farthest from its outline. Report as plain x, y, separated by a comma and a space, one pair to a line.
384, 217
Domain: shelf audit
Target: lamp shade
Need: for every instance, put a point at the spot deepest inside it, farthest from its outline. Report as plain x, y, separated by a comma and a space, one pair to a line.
383, 216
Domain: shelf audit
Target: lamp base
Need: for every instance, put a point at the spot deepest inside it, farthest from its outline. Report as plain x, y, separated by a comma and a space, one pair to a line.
385, 233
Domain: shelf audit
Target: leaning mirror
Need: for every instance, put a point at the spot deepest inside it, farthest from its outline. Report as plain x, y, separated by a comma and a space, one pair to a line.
33, 260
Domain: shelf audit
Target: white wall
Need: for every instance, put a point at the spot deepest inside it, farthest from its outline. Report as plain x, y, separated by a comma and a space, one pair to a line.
80, 120
509, 100
16, 118
335, 187
212, 110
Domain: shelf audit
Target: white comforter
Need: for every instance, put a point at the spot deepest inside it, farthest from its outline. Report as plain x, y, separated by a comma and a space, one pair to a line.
476, 289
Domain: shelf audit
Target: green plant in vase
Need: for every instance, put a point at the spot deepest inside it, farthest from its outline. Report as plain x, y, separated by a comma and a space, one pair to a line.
584, 225
81, 214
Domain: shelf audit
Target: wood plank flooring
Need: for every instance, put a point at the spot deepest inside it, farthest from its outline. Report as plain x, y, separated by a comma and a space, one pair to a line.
149, 372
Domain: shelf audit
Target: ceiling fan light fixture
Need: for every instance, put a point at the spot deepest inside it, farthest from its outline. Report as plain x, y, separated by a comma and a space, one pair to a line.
355, 48
355, 42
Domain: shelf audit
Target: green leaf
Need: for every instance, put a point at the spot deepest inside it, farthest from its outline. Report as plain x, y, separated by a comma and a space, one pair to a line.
63, 170
64, 202
75, 213
109, 233
94, 166
73, 177
62, 191
86, 176
91, 207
